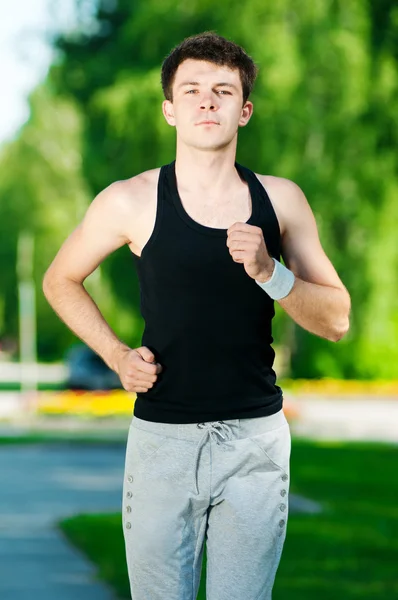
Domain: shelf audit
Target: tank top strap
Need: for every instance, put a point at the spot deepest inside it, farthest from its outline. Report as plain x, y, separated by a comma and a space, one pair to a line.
165, 187
162, 196
263, 208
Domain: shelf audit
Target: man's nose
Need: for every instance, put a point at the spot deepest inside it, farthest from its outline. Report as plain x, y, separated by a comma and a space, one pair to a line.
208, 103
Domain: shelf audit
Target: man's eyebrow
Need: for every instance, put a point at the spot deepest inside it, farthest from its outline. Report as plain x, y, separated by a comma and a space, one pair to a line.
226, 84
221, 84
189, 83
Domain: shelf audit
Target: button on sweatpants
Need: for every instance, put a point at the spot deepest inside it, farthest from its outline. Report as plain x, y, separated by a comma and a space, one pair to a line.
223, 483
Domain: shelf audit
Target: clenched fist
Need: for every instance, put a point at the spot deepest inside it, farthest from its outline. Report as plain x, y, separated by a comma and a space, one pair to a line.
247, 246
137, 369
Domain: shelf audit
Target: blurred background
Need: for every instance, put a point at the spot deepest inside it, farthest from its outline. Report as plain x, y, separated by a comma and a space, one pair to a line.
80, 107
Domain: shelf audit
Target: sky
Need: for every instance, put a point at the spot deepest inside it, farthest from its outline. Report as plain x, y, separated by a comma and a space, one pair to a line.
25, 55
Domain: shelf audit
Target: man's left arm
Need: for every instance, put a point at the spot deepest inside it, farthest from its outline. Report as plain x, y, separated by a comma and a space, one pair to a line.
318, 300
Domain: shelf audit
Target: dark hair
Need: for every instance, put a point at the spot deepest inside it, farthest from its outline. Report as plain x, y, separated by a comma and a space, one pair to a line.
212, 48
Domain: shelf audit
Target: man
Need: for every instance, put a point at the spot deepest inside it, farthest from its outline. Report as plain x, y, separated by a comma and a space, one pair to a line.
208, 450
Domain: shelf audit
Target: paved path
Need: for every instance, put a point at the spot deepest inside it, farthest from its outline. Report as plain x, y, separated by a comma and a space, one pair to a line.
39, 485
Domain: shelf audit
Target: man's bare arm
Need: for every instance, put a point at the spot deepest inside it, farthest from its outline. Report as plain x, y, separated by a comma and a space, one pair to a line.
100, 233
319, 301
319, 309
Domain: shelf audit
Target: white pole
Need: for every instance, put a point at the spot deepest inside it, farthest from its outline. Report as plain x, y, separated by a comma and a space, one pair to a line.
27, 312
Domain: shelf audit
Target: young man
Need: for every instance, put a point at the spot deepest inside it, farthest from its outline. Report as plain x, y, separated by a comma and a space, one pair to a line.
208, 450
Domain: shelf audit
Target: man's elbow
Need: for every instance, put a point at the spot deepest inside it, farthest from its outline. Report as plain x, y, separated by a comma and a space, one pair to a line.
339, 330
52, 282
46, 284
341, 325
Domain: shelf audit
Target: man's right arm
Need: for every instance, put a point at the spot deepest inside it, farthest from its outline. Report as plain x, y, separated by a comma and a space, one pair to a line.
102, 231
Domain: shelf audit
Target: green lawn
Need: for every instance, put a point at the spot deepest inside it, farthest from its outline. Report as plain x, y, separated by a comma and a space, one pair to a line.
61, 438
15, 386
348, 552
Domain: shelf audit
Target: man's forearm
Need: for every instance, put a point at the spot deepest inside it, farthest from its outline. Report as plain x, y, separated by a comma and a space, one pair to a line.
73, 304
322, 310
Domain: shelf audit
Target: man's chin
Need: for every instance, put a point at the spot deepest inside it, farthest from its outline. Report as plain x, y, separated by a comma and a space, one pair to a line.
210, 146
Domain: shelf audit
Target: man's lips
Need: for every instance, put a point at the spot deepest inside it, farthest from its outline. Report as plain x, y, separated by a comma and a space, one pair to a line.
208, 123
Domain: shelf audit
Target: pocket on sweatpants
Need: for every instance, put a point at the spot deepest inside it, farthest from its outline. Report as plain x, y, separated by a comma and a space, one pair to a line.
143, 446
276, 446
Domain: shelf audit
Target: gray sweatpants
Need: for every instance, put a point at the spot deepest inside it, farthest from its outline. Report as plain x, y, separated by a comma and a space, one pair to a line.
225, 482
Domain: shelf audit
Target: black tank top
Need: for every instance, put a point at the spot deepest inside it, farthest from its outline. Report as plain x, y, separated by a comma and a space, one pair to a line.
206, 321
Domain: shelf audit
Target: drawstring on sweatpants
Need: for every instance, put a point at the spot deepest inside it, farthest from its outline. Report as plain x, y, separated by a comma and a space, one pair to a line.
213, 429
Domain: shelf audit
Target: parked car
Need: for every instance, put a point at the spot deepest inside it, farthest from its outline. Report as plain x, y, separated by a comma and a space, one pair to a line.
87, 370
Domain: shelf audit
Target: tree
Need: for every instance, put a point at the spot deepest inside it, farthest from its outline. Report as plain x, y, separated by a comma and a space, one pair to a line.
325, 105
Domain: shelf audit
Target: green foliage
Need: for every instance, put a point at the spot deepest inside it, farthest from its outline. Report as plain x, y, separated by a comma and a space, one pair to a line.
325, 117
42, 191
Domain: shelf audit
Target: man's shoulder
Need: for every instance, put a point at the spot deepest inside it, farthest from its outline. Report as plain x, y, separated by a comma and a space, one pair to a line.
128, 198
137, 187
278, 185
287, 198
283, 193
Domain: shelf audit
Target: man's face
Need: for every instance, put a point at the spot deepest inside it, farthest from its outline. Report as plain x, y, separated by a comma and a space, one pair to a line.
207, 105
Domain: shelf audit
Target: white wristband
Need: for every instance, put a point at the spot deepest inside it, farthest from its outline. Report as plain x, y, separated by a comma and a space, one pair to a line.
281, 282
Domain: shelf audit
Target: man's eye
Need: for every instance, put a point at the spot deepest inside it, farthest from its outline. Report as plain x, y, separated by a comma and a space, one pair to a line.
224, 92
191, 91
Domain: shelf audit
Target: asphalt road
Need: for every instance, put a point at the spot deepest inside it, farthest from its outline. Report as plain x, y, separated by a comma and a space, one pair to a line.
41, 484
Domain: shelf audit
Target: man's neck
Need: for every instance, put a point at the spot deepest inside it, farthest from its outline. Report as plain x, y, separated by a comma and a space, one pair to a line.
204, 171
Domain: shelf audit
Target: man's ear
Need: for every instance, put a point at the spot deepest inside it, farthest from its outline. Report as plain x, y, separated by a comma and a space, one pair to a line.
247, 112
168, 112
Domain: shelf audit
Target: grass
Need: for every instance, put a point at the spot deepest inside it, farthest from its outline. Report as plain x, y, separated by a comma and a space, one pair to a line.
15, 386
348, 552
61, 438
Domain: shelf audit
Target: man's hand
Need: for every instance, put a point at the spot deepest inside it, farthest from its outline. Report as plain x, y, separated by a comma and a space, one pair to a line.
246, 245
137, 369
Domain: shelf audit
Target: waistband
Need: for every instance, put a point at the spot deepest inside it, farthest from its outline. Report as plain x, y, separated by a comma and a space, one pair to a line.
218, 431
240, 428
